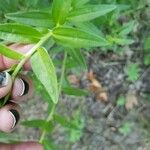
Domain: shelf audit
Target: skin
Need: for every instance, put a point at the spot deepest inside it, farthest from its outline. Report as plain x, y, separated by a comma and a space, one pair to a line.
16, 88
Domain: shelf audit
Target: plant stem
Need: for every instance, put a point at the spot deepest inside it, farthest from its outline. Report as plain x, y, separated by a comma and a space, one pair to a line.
51, 114
62, 73
49, 118
26, 57
29, 54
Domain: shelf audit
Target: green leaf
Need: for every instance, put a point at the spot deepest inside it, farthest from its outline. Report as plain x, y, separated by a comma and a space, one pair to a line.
127, 28
79, 121
121, 101
147, 59
10, 5
33, 18
74, 91
6, 51
133, 72
71, 64
41, 124
60, 10
49, 145
125, 129
79, 3
78, 58
120, 41
44, 70
124, 41
89, 12
19, 33
6, 137
90, 27
76, 38
64, 122
147, 44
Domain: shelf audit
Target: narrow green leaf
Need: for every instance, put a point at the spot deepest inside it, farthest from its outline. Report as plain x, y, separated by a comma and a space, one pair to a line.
123, 41
74, 91
38, 123
46, 74
19, 33
125, 129
133, 71
79, 3
89, 12
6, 137
127, 28
147, 59
78, 57
147, 44
49, 145
76, 38
71, 64
6, 51
90, 27
34, 123
121, 101
64, 122
60, 10
33, 18
120, 41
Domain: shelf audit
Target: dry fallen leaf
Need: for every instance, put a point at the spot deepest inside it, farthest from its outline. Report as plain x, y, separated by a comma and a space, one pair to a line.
96, 87
73, 79
102, 96
131, 101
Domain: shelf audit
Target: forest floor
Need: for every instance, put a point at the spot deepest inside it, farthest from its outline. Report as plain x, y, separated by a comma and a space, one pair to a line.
106, 124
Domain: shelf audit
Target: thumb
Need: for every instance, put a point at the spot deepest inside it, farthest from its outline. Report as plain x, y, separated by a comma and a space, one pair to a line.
5, 84
22, 146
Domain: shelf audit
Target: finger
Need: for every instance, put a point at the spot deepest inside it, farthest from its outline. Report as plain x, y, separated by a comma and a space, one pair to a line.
5, 84
22, 146
6, 63
9, 117
22, 89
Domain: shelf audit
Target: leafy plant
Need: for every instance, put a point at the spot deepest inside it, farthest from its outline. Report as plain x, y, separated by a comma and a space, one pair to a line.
121, 101
147, 51
133, 72
125, 129
69, 25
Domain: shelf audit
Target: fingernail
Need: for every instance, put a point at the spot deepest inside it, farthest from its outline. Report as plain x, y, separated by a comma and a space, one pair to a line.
25, 87
15, 115
3, 79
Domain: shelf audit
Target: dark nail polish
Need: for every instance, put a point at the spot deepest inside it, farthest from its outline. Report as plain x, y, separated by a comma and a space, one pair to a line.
15, 116
26, 90
3, 79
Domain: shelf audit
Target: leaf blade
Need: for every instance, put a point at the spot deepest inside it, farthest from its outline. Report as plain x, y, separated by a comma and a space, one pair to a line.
90, 12
5, 51
19, 33
76, 38
38, 123
79, 3
60, 10
46, 74
74, 91
33, 18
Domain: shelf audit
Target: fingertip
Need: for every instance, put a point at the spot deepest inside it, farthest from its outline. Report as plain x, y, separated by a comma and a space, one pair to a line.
29, 145
22, 89
5, 84
9, 116
22, 146
21, 48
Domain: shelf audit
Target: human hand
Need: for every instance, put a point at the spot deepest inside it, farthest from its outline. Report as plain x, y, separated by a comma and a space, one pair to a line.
21, 90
